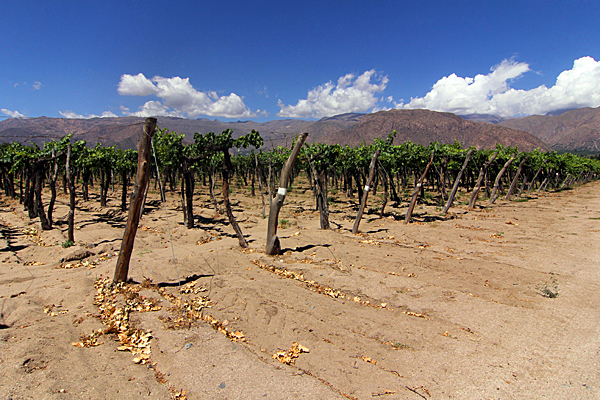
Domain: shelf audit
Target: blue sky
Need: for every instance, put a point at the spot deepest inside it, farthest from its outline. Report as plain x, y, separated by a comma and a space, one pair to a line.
265, 60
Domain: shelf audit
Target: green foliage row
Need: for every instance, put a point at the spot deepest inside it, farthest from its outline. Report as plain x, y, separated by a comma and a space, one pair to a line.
206, 152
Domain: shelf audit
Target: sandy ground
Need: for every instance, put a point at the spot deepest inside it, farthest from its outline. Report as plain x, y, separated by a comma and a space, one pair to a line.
494, 303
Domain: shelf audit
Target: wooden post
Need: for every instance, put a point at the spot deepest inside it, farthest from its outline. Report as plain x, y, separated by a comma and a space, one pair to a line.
225, 172
533, 180
211, 188
188, 193
71, 184
482, 172
365, 195
494, 195
384, 178
137, 198
38, 168
53, 188
543, 185
416, 191
319, 184
321, 181
273, 246
515, 179
456, 182
260, 185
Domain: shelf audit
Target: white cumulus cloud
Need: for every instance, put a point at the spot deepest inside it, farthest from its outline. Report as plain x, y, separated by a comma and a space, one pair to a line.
492, 94
12, 114
152, 109
72, 115
350, 94
136, 85
180, 98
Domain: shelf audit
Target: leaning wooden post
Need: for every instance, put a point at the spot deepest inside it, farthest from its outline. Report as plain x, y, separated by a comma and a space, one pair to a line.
137, 198
530, 185
227, 167
494, 195
415, 195
543, 184
363, 202
456, 182
273, 246
482, 171
513, 185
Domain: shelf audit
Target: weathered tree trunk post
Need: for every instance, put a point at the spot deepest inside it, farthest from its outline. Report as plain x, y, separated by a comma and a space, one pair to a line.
456, 182
29, 199
141, 182
52, 189
442, 179
319, 184
533, 180
85, 179
211, 188
273, 246
384, 178
38, 205
416, 191
523, 185
225, 172
105, 180
252, 183
323, 200
359, 186
494, 195
183, 202
365, 195
188, 194
390, 179
125, 181
260, 184
566, 181
482, 173
543, 185
513, 185
71, 183
271, 181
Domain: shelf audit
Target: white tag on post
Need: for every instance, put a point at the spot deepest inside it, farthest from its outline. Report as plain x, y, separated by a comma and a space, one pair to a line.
366, 188
282, 191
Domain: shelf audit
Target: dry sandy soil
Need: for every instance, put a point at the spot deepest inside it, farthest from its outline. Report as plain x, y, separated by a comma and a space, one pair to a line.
493, 303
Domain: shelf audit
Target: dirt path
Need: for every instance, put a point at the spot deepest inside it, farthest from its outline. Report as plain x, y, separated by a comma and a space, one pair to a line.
498, 303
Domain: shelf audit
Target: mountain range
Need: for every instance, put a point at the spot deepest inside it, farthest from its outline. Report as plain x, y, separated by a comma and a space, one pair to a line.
573, 130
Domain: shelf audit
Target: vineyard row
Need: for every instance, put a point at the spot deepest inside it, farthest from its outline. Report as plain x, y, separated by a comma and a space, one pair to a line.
435, 172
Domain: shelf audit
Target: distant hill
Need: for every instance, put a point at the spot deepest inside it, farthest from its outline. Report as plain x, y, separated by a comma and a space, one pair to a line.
573, 130
424, 127
558, 112
125, 131
109, 131
492, 119
326, 130
419, 126
22, 135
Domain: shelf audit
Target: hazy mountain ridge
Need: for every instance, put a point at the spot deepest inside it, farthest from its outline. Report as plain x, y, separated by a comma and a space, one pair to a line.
571, 130
124, 131
489, 118
424, 127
